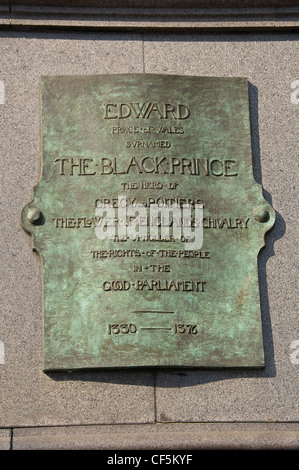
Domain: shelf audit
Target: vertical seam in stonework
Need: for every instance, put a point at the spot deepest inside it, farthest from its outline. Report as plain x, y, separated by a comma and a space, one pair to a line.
155, 398
11, 439
143, 58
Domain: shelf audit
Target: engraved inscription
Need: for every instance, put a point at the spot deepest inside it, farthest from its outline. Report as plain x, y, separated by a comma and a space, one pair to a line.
182, 328
215, 167
123, 328
147, 130
146, 110
155, 285
131, 328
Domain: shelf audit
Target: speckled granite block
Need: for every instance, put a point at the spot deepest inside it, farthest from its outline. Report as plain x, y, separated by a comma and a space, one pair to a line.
173, 436
28, 396
268, 61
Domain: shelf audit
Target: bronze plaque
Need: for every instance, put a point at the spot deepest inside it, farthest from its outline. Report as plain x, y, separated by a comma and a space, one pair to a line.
148, 223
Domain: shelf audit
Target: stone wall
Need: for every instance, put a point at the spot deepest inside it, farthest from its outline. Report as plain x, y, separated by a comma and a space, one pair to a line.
150, 408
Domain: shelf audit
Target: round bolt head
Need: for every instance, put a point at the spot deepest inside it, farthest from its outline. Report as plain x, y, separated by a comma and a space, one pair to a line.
33, 215
261, 214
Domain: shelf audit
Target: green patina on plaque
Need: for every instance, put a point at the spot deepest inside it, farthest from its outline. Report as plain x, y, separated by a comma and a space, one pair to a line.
148, 140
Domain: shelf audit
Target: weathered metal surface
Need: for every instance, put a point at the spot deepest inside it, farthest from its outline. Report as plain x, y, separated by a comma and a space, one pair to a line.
151, 139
